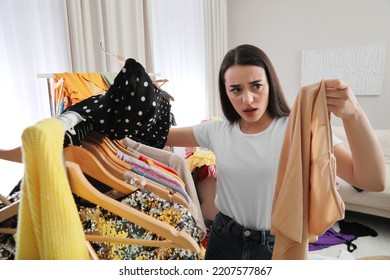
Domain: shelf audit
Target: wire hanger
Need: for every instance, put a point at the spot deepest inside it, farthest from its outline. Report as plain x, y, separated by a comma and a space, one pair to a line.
118, 57
123, 61
157, 82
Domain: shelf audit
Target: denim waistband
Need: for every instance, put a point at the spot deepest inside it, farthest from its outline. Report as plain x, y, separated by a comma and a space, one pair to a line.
238, 229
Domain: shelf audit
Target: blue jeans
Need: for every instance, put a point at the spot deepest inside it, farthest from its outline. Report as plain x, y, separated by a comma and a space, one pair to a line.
231, 241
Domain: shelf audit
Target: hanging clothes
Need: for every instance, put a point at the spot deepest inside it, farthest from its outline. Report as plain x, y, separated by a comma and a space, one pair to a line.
79, 86
108, 77
153, 173
48, 223
7, 241
99, 221
202, 162
47, 227
131, 107
179, 165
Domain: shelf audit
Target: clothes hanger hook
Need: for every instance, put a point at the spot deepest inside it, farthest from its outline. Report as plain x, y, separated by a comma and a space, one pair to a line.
119, 58
102, 48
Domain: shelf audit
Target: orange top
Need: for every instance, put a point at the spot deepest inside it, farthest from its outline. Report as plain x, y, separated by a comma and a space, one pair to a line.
79, 86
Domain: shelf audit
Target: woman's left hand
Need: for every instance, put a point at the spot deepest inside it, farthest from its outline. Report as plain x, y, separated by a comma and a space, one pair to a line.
340, 99
363, 165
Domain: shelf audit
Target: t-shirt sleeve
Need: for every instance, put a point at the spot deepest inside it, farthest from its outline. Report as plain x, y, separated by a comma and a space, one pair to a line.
335, 140
202, 133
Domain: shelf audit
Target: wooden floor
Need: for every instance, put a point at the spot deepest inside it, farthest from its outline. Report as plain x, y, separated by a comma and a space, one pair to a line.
367, 246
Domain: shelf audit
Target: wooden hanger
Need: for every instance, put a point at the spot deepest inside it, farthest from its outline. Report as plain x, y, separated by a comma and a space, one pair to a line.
119, 168
11, 209
91, 251
91, 166
161, 82
100, 138
4, 200
108, 162
116, 145
83, 188
94, 143
122, 147
120, 143
157, 83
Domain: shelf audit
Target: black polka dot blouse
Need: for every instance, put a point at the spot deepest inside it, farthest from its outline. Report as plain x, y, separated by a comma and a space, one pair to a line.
132, 107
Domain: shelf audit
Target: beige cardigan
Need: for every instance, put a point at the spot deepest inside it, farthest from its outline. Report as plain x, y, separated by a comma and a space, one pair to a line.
306, 201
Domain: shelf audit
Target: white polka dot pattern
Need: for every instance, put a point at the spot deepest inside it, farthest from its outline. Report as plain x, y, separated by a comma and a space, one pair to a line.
131, 107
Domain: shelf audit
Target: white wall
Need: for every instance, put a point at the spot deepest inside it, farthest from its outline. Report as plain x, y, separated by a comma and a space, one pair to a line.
283, 28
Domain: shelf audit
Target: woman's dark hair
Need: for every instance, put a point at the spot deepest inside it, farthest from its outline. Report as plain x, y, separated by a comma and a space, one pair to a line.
251, 55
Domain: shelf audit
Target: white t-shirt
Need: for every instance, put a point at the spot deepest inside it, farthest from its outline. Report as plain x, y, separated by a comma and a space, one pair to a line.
247, 166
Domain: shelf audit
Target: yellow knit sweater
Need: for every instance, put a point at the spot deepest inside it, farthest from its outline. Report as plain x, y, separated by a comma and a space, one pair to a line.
49, 227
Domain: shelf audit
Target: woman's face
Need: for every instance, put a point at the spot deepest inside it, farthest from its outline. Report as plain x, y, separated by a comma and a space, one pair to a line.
248, 90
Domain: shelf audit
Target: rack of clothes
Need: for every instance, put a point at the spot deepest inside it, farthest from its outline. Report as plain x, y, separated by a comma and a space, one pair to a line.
68, 88
95, 196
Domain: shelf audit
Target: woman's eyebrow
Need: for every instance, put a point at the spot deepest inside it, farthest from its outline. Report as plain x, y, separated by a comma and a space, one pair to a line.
256, 81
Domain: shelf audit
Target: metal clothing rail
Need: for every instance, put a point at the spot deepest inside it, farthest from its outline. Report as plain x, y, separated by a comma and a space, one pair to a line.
50, 86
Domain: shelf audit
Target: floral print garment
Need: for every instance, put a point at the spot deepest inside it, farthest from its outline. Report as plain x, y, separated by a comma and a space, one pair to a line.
99, 221
7, 241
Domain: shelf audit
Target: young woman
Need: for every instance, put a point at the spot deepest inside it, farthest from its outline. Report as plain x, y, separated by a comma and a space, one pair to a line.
247, 148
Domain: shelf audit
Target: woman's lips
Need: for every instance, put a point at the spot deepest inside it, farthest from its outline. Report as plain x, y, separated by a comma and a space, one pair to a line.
250, 112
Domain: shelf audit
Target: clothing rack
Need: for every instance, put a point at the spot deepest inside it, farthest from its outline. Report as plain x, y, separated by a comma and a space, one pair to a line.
51, 86
94, 165
50, 89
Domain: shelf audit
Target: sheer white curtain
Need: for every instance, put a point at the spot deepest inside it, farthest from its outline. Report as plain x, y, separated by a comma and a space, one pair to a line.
216, 48
119, 23
179, 55
32, 40
184, 41
189, 41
